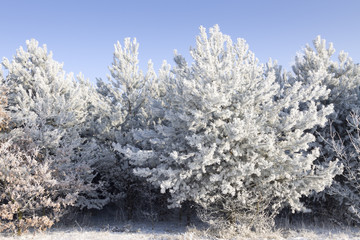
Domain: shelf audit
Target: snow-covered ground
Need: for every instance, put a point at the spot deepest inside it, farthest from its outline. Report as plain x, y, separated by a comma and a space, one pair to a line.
176, 231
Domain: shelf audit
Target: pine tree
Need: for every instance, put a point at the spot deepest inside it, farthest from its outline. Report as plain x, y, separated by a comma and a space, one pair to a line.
341, 78
336, 139
126, 94
231, 136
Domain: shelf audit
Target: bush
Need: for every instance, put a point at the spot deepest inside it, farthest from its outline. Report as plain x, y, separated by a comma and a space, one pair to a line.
28, 187
346, 188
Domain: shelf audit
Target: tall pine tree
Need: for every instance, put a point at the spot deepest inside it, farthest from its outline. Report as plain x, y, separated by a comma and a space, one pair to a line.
231, 136
127, 95
338, 138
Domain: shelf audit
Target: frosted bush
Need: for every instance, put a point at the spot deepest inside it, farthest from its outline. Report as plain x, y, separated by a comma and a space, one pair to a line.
27, 196
28, 193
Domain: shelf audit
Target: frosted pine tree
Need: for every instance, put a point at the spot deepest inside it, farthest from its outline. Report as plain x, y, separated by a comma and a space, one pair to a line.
50, 108
126, 93
230, 137
342, 78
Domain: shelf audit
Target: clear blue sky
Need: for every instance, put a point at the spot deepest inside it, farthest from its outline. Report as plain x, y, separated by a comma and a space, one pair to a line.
82, 33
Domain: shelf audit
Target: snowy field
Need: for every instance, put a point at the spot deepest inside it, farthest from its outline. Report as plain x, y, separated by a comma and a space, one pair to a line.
175, 231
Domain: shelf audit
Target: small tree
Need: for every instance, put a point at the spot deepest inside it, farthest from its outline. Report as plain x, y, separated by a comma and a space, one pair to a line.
27, 195
50, 109
231, 136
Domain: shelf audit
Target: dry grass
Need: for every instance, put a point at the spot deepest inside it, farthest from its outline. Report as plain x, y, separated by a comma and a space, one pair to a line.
176, 231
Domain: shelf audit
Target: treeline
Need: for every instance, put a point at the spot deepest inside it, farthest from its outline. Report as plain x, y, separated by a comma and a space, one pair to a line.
237, 139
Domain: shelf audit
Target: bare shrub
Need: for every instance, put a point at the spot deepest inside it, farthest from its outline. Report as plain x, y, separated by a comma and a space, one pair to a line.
230, 218
346, 190
28, 193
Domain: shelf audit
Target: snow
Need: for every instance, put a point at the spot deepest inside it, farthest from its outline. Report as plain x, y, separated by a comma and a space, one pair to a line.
178, 231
